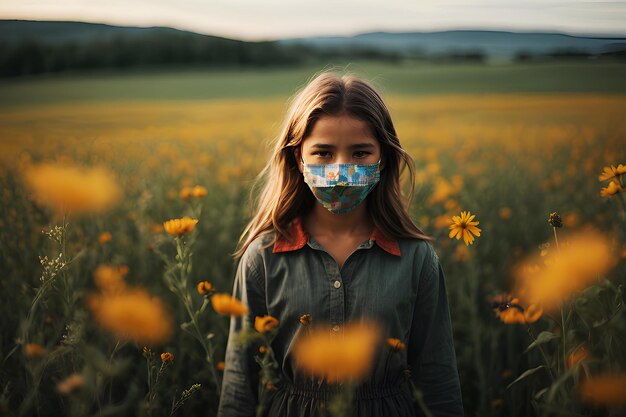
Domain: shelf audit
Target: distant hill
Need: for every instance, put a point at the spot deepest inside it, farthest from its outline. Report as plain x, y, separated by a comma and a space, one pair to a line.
35, 47
491, 43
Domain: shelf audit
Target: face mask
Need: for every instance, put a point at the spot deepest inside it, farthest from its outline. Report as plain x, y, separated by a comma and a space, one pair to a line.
341, 187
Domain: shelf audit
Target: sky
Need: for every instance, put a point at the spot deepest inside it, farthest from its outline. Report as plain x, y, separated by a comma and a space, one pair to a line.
279, 19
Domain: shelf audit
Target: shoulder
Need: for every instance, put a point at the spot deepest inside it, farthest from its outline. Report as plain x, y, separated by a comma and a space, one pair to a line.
258, 250
420, 253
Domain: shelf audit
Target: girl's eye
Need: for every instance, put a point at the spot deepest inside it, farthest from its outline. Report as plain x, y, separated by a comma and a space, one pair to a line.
321, 154
361, 154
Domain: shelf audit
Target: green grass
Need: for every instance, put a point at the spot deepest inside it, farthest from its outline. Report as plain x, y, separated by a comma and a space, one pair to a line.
409, 78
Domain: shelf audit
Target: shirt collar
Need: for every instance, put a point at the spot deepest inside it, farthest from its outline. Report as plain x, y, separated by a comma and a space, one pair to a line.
301, 237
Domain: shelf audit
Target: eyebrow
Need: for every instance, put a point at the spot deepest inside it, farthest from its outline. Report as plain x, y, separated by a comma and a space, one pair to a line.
354, 146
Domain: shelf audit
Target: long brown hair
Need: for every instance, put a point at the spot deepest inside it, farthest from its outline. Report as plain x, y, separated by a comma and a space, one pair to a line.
285, 195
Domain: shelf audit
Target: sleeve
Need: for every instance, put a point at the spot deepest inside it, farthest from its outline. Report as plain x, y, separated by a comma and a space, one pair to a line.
431, 355
239, 394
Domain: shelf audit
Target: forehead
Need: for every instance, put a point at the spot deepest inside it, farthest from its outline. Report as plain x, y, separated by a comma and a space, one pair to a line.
343, 128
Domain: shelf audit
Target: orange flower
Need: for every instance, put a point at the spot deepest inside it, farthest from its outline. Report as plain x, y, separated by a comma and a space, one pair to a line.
336, 356
177, 227
463, 226
167, 357
606, 390
185, 193
505, 213
226, 305
34, 350
68, 187
110, 278
611, 172
220, 366
612, 189
581, 260
104, 238
306, 319
204, 287
70, 383
199, 191
132, 315
396, 344
577, 355
265, 324
515, 313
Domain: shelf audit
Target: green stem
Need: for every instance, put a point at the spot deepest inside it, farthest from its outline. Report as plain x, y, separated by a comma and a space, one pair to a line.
543, 352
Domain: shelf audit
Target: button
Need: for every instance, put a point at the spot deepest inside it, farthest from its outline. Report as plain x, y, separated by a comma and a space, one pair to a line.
336, 328
337, 284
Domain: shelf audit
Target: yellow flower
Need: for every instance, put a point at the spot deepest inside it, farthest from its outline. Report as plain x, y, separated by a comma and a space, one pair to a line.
199, 191
265, 324
73, 188
110, 278
226, 305
577, 355
396, 344
605, 390
70, 383
34, 350
177, 227
611, 172
463, 226
132, 315
185, 193
612, 189
581, 260
504, 213
306, 319
513, 312
167, 357
336, 354
104, 237
204, 287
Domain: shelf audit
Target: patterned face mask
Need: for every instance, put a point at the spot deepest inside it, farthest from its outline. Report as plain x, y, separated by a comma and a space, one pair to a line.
341, 187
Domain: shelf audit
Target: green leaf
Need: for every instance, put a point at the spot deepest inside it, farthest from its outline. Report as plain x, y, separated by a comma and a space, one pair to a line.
544, 337
525, 374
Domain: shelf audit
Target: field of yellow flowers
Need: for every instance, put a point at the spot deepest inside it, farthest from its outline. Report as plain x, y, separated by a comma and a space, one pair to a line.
118, 220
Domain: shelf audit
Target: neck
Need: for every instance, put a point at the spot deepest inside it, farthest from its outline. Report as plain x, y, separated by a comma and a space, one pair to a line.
320, 221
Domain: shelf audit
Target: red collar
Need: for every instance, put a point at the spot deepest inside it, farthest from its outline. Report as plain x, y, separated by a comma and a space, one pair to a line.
301, 237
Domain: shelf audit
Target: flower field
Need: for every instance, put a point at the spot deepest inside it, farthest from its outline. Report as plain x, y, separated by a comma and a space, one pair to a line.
119, 218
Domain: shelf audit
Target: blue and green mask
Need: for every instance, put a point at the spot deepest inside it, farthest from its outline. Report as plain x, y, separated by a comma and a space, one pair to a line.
341, 187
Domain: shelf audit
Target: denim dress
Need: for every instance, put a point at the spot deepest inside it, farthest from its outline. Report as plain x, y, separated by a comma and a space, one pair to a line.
398, 282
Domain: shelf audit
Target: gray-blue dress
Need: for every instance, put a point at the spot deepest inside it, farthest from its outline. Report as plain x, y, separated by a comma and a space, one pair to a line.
398, 282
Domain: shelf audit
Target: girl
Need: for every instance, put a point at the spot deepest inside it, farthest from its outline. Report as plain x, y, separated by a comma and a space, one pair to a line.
331, 237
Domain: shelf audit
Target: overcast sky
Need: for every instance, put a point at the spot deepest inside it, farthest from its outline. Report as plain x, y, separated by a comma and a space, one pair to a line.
274, 19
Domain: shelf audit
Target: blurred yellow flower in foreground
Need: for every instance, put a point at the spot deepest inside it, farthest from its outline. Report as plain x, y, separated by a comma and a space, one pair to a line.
606, 390
265, 324
581, 260
463, 226
344, 355
226, 305
132, 315
177, 227
72, 188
